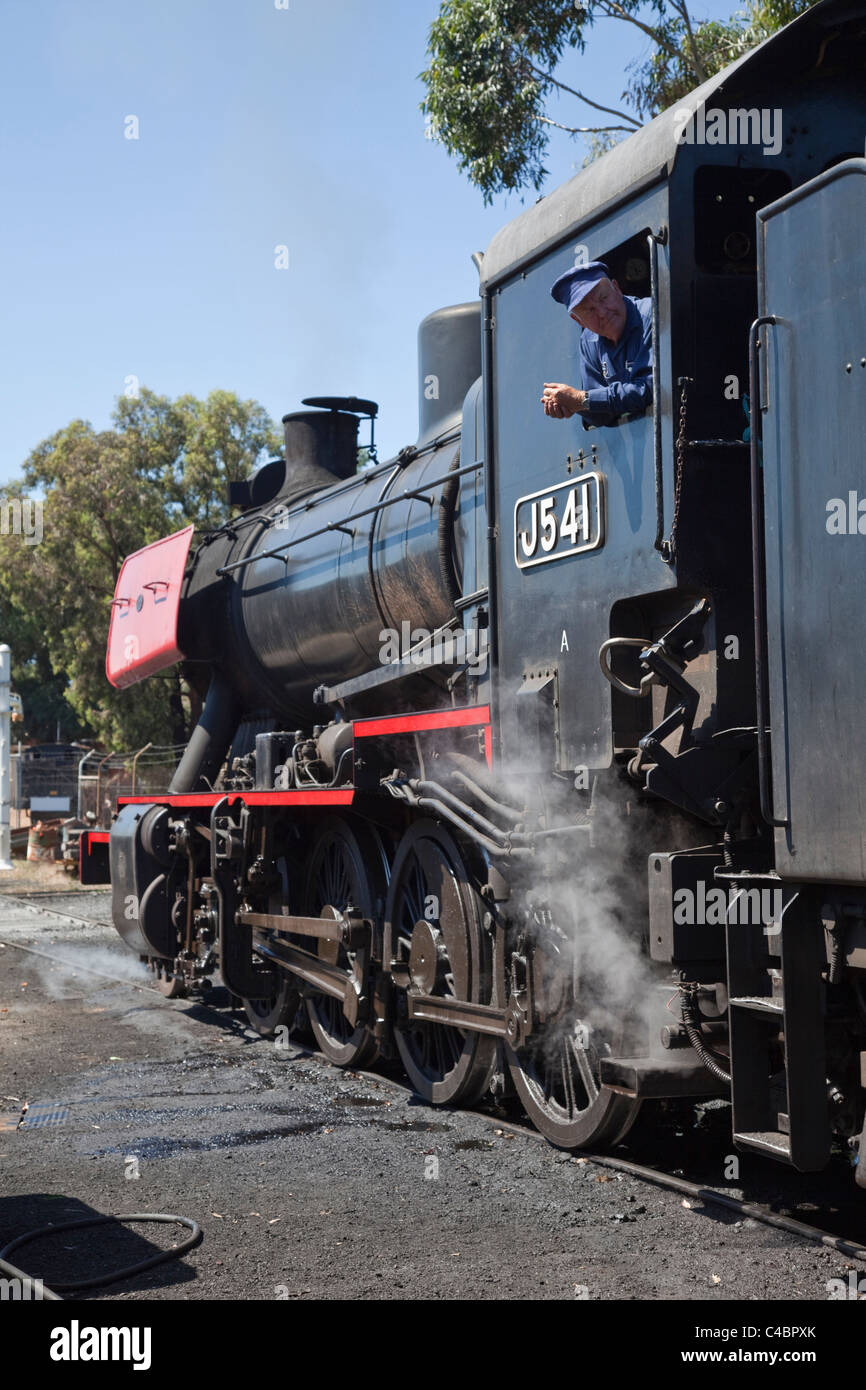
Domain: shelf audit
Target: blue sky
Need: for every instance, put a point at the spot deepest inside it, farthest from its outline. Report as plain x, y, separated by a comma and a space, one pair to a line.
258, 127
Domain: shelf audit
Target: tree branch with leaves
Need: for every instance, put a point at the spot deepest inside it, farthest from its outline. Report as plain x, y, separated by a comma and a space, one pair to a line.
491, 74
105, 494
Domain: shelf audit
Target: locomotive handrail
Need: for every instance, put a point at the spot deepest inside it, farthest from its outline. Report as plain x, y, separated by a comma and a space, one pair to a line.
466, 601
633, 690
654, 240
758, 577
342, 525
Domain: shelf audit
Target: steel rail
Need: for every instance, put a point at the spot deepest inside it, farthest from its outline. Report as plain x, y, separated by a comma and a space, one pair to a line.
74, 965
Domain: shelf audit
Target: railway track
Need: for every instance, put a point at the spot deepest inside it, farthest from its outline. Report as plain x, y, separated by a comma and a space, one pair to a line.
692, 1192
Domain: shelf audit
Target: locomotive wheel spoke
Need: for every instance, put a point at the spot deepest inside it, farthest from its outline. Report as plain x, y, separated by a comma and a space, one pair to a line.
267, 1015
568, 1081
584, 1070
556, 1077
430, 883
282, 1009
337, 877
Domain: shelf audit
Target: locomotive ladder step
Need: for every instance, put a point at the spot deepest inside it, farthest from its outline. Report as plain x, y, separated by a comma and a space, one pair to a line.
677, 1073
759, 1004
776, 1019
772, 1143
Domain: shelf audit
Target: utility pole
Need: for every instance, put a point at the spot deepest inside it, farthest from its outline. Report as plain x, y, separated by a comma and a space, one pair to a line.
5, 756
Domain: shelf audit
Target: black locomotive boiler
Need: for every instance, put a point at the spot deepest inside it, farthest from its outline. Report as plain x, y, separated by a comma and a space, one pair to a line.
535, 754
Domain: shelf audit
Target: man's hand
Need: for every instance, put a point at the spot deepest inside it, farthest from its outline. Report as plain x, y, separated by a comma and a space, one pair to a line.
562, 401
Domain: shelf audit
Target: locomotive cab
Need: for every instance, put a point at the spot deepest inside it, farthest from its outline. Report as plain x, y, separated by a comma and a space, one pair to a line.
655, 586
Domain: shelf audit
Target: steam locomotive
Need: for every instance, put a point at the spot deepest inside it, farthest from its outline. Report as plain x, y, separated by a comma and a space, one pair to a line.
535, 754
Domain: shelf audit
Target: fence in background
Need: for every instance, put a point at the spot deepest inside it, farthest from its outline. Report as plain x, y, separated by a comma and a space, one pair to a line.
104, 778
49, 782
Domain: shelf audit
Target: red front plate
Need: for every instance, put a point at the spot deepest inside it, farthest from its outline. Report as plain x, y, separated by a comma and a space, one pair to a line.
142, 637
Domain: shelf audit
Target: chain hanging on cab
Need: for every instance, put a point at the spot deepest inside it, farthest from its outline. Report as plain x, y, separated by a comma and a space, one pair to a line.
670, 545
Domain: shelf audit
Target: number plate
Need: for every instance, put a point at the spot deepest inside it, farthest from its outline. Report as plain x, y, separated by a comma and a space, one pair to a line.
559, 521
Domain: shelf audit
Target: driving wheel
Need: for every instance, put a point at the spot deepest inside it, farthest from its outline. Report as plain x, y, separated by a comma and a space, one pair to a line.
438, 947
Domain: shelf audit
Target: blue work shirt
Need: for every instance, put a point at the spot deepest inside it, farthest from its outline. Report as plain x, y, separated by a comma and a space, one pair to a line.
617, 377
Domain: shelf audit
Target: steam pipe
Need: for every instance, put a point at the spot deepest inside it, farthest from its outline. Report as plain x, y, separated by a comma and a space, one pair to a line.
435, 789
511, 839
403, 793
485, 797
515, 852
210, 740
447, 508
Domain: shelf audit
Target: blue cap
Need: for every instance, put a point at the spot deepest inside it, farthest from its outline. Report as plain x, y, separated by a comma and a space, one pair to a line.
576, 283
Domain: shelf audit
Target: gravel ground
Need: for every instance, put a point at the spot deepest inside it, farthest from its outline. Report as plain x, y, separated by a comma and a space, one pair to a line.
313, 1183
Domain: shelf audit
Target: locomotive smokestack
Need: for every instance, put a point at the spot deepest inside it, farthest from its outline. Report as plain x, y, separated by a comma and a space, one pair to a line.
317, 439
449, 360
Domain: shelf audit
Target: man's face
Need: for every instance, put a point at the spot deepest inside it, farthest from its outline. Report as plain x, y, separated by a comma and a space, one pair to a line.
603, 310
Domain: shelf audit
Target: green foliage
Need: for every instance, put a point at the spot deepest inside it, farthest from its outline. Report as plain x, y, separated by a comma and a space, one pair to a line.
485, 96
491, 72
687, 55
105, 494
597, 144
42, 690
196, 448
